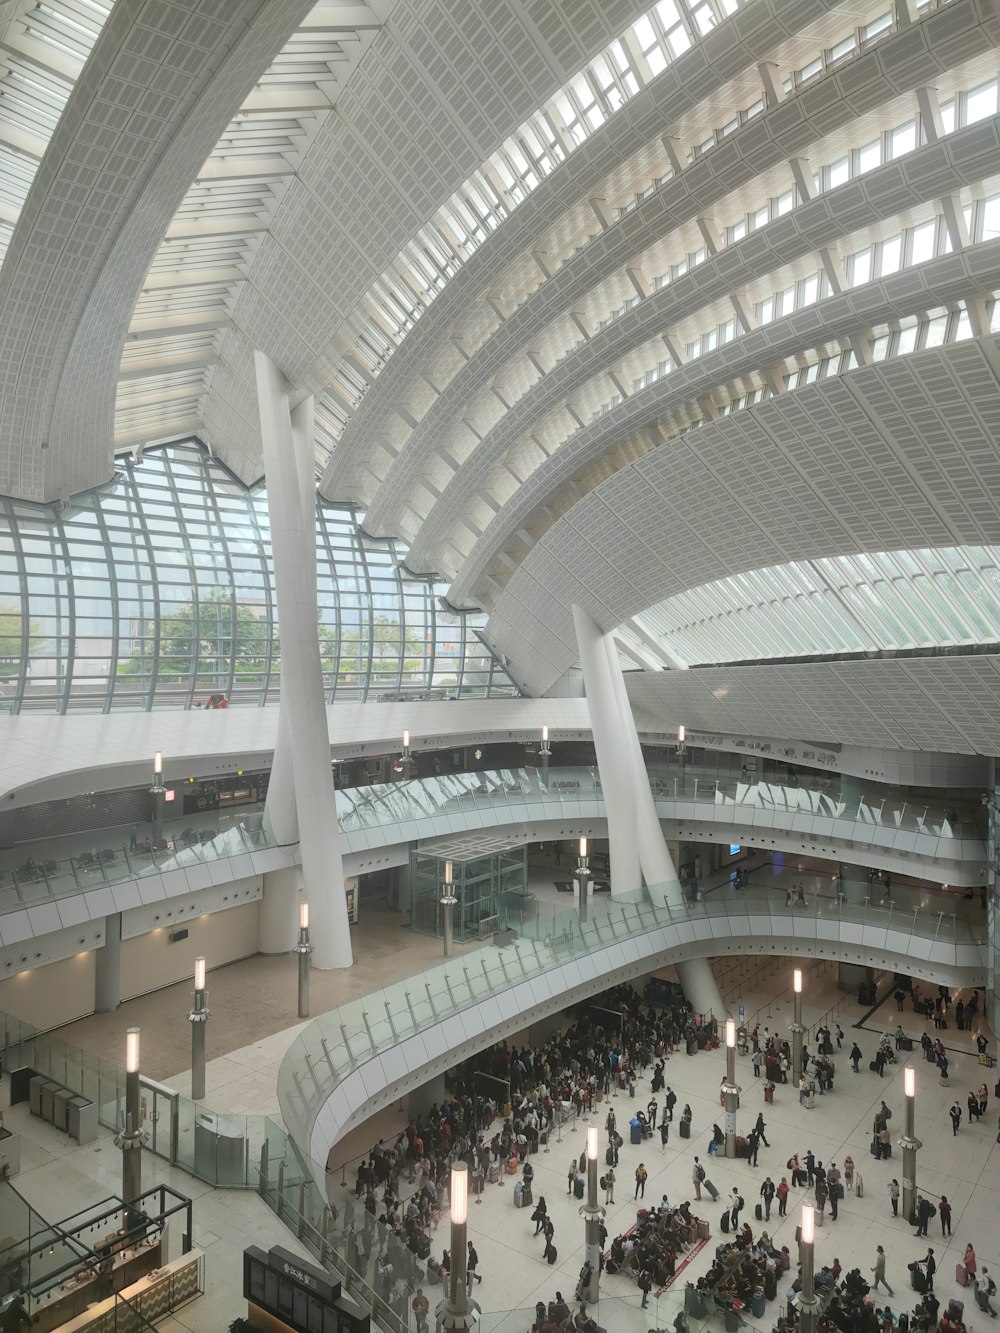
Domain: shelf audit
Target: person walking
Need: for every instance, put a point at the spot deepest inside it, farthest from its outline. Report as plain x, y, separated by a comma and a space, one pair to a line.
894, 1196
855, 1057
985, 1288
571, 1175
879, 1271
651, 1111
645, 1286
420, 1306
640, 1181
664, 1133
697, 1176
833, 1185
923, 1211
944, 1208
753, 1146
540, 1214
609, 1185
767, 1191
471, 1264
757, 1059
956, 1116
735, 1206
758, 1129
782, 1193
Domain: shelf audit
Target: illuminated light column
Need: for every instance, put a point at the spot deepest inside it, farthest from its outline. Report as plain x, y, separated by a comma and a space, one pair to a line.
448, 901
130, 1136
545, 754
198, 1018
806, 1301
797, 1029
406, 761
730, 1089
592, 1212
286, 437
157, 791
681, 750
583, 874
456, 1312
909, 1142
304, 948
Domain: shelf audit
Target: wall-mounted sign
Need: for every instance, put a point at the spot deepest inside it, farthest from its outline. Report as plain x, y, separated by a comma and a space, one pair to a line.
305, 1298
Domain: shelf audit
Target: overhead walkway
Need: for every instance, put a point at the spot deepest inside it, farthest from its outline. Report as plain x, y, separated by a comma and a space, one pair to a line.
48, 885
350, 1063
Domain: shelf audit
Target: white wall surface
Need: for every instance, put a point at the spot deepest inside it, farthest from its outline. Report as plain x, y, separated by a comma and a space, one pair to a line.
47, 997
151, 961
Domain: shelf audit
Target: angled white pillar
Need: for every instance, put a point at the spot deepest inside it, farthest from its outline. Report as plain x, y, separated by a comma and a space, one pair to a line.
612, 756
280, 816
632, 780
293, 541
658, 869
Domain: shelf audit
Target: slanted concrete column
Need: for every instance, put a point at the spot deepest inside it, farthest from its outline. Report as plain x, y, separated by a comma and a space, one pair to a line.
293, 542
612, 756
631, 780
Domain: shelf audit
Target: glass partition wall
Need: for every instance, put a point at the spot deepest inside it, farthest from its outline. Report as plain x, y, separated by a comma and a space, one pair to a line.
479, 878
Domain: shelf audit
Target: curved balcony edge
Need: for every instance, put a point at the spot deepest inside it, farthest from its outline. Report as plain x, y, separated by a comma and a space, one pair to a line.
317, 1121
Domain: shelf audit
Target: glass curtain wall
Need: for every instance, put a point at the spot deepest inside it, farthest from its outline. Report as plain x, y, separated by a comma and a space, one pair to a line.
157, 590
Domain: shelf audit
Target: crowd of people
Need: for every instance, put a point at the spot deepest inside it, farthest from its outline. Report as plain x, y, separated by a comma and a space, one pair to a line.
508, 1102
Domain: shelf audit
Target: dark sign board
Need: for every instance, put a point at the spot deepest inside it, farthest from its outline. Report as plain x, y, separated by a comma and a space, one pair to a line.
305, 1298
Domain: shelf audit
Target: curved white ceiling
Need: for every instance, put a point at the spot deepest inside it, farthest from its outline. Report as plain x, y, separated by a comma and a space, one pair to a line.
894, 456
583, 402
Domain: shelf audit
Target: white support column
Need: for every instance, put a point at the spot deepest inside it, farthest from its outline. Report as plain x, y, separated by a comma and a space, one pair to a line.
108, 966
612, 758
280, 816
658, 869
293, 541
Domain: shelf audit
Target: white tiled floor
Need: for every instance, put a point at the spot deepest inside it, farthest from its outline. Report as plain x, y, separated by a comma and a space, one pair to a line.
58, 1177
963, 1168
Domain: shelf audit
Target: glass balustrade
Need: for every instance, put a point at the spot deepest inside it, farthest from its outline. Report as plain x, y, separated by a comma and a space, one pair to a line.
546, 937
29, 876
256, 1152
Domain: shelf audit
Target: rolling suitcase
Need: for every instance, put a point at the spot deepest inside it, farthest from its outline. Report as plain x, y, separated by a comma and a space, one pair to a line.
758, 1303
578, 1187
713, 1193
685, 1129
771, 1286
525, 1196
859, 1185
635, 1134
961, 1275
494, 1173
518, 1195
758, 1213
724, 1224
